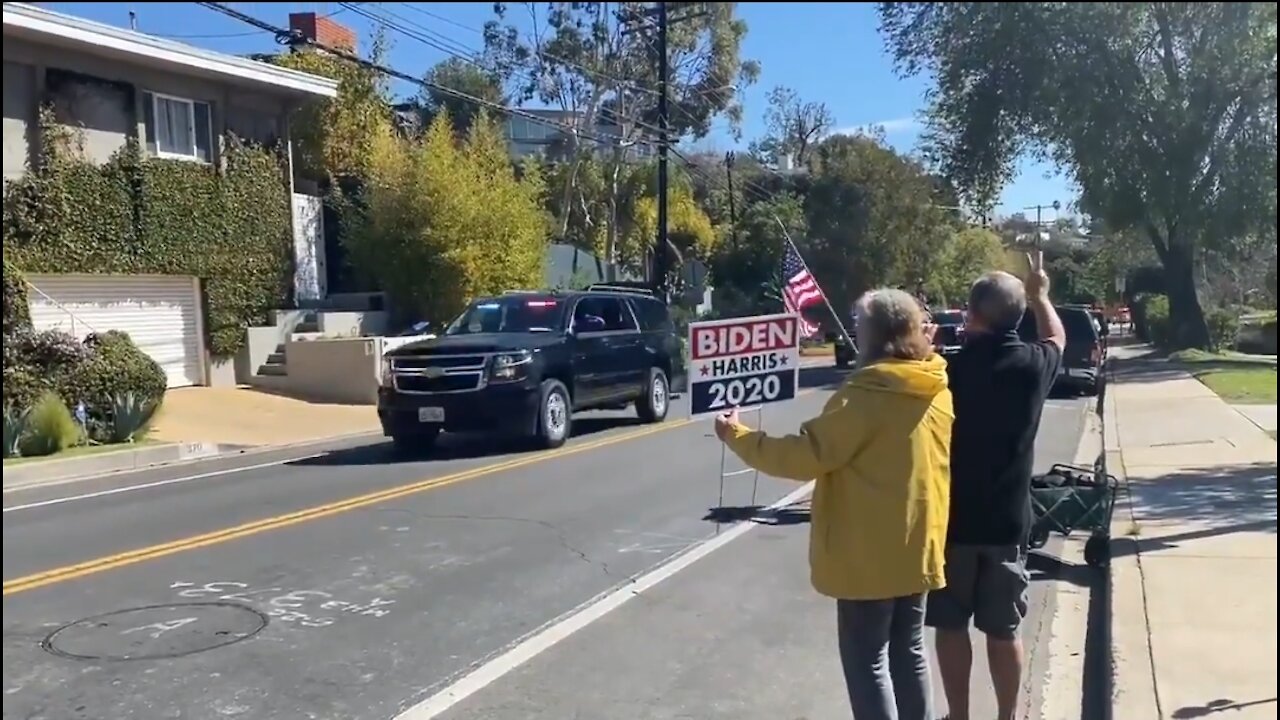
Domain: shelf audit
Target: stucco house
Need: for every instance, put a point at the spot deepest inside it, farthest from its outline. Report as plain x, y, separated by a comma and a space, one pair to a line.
177, 101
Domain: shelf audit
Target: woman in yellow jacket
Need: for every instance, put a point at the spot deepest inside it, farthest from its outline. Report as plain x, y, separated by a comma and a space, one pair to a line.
879, 453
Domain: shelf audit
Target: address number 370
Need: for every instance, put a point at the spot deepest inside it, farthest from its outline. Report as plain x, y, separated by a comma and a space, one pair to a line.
740, 391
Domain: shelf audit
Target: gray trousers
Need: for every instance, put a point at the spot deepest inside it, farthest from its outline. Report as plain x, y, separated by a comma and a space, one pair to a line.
886, 667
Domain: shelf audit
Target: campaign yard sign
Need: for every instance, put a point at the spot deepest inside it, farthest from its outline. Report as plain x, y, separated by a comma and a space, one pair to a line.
743, 362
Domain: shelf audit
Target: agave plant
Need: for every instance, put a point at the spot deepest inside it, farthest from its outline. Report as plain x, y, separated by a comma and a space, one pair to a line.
15, 424
130, 416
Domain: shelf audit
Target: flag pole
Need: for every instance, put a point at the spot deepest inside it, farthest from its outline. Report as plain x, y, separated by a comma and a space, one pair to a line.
839, 323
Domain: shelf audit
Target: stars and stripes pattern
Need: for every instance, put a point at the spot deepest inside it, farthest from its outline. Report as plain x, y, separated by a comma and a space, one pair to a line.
800, 289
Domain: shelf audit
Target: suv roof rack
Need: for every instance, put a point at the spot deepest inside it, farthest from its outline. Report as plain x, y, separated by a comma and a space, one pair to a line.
524, 292
604, 287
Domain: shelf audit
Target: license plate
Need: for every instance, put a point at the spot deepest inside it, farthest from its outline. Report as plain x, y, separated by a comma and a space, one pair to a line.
431, 415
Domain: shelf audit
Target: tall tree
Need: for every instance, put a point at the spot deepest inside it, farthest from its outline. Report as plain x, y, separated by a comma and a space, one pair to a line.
1164, 113
873, 218
967, 255
792, 126
335, 138
597, 63
440, 221
468, 77
746, 268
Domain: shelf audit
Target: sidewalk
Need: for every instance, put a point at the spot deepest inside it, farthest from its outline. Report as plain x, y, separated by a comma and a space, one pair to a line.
1194, 575
243, 416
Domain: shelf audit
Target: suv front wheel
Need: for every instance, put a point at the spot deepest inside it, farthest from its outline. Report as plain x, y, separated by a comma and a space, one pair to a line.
652, 406
555, 415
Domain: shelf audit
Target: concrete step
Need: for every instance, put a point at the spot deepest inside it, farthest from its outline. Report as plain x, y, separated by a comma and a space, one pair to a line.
307, 326
309, 335
273, 369
276, 358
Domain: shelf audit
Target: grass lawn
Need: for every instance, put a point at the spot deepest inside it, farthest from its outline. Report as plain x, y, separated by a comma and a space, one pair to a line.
818, 350
78, 451
1236, 378
1242, 386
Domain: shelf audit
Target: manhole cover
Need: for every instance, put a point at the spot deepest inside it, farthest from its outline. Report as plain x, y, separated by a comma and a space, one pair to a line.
157, 631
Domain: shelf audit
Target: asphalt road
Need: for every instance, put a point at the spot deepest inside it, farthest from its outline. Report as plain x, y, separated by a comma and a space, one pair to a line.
352, 585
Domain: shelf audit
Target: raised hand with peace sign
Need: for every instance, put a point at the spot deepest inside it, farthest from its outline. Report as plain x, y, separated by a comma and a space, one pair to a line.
1037, 280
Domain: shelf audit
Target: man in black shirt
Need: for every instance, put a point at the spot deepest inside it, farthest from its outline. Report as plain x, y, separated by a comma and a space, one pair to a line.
999, 385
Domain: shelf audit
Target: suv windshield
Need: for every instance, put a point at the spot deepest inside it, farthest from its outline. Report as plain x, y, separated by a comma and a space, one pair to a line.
948, 317
1078, 324
516, 314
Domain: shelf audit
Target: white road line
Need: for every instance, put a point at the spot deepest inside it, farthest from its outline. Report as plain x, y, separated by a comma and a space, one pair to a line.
157, 483
557, 630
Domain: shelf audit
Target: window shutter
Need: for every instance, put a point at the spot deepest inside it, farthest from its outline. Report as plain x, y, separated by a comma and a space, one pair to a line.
204, 131
149, 121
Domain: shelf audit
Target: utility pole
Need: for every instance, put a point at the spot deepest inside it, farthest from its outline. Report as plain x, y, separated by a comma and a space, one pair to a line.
1055, 206
664, 141
656, 17
733, 213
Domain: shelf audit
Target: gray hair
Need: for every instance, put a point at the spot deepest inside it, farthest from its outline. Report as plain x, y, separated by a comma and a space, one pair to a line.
998, 301
890, 324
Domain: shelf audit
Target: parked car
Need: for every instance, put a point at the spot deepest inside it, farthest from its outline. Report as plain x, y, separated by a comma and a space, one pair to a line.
1100, 321
1084, 355
524, 362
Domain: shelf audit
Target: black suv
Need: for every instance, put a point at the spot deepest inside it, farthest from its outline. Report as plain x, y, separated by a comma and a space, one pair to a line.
1083, 357
522, 363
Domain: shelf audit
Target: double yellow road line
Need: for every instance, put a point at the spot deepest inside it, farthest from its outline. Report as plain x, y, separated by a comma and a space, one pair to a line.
131, 557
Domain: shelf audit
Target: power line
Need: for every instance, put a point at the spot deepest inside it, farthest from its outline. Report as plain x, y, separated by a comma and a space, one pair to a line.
469, 55
621, 82
295, 38
222, 36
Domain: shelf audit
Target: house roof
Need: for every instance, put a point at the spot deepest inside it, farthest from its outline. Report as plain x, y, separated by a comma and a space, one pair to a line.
51, 28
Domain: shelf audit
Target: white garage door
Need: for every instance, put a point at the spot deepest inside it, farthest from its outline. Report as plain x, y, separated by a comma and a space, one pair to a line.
160, 313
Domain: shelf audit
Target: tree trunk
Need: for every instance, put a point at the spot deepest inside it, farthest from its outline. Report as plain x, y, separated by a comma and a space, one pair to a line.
1185, 314
611, 237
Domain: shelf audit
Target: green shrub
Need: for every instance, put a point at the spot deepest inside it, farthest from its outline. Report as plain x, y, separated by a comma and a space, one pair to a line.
1159, 329
130, 417
1224, 326
116, 367
135, 214
17, 314
15, 425
50, 428
23, 382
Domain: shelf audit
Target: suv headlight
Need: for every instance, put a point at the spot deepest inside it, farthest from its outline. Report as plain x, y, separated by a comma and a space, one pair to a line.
387, 372
510, 367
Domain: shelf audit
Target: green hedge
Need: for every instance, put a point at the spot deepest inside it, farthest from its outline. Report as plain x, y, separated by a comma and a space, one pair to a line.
144, 215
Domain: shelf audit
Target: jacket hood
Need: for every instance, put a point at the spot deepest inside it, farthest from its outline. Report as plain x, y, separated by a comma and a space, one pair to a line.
918, 378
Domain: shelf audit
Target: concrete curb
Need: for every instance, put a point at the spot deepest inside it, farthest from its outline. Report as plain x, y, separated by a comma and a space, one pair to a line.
1060, 697
41, 472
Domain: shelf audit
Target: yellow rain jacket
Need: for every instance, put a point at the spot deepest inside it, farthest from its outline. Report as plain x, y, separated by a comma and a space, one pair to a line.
880, 453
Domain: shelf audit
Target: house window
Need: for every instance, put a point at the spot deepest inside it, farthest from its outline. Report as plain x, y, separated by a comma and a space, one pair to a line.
179, 128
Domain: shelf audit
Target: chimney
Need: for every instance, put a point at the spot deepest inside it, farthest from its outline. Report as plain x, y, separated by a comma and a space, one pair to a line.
321, 29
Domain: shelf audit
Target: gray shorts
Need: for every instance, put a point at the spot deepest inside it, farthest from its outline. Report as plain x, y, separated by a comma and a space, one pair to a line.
985, 583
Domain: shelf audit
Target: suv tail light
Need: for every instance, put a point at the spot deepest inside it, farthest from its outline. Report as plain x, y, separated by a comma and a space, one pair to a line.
1095, 354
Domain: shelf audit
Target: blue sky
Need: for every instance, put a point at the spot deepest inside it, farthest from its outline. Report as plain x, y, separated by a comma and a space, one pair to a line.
826, 51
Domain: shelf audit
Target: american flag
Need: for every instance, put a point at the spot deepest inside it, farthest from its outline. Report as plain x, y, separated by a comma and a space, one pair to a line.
800, 290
